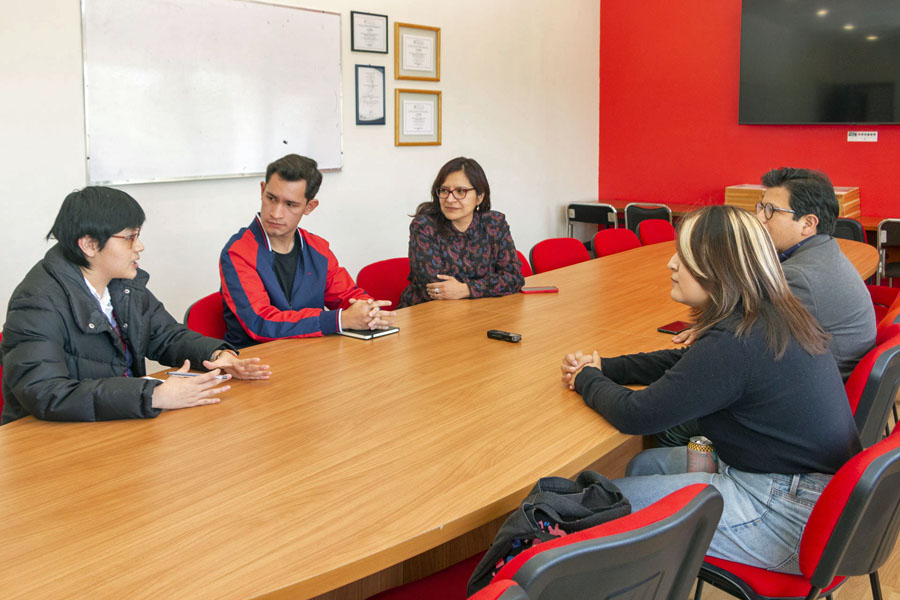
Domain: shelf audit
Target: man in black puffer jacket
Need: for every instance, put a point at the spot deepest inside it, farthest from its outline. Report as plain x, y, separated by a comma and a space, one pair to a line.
82, 321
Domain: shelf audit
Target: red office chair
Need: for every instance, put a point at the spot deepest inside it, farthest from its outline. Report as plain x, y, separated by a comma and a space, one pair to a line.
205, 316
556, 253
526, 268
884, 300
613, 241
385, 279
651, 554
655, 231
851, 531
635, 212
873, 385
889, 319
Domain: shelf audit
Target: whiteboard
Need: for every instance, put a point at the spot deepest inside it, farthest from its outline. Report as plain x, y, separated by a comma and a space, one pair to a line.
186, 89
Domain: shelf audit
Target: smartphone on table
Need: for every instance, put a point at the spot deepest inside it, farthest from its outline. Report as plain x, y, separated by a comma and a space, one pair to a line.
675, 327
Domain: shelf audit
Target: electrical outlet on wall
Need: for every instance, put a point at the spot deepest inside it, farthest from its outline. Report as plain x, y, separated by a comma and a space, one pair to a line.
862, 136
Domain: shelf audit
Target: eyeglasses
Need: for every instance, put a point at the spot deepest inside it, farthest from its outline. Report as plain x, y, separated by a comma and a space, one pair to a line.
769, 209
129, 238
458, 193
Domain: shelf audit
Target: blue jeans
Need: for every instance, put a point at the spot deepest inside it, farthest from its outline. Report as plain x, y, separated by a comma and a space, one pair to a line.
763, 516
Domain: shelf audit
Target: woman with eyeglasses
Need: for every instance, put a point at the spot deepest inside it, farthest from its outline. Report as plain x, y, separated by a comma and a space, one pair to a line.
759, 379
81, 323
458, 246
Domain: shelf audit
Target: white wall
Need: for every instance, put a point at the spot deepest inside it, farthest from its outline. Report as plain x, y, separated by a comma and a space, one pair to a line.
520, 94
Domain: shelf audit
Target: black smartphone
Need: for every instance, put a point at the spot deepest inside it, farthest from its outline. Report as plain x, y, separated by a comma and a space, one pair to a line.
506, 336
675, 327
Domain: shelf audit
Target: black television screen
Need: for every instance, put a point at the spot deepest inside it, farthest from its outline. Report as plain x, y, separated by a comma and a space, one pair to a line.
825, 61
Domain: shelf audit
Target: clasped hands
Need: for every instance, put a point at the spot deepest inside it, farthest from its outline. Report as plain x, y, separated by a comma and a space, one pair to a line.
367, 314
449, 288
572, 365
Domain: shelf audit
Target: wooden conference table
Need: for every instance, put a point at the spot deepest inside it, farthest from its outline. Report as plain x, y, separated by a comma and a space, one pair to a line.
355, 457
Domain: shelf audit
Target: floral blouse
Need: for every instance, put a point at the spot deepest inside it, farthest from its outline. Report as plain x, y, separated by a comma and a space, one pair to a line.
484, 257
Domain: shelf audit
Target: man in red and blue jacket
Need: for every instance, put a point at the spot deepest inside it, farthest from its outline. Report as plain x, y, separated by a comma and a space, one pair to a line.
277, 278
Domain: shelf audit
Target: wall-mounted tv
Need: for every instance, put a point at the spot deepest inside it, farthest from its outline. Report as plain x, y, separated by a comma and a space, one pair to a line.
820, 61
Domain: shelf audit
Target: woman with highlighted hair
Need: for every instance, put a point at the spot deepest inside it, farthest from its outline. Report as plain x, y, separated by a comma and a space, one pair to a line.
759, 379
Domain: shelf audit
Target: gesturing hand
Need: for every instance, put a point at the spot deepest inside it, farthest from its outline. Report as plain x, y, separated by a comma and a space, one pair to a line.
239, 368
184, 392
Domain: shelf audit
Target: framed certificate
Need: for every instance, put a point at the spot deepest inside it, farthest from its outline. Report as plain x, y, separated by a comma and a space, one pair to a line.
417, 52
369, 95
417, 118
368, 32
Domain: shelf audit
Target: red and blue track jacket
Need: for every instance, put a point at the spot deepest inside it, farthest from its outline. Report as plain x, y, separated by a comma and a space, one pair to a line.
256, 309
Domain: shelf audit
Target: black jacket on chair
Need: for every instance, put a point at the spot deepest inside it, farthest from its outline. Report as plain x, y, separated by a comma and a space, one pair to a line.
62, 361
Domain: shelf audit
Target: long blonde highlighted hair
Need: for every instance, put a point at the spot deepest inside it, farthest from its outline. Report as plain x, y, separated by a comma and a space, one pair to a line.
732, 257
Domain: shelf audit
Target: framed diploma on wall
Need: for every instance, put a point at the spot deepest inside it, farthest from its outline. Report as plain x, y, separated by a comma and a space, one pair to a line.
369, 95
417, 118
417, 52
368, 32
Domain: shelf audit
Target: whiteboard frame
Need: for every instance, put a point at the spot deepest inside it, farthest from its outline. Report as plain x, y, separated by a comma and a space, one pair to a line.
87, 141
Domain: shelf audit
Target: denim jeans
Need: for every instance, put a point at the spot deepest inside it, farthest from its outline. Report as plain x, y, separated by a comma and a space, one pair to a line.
763, 516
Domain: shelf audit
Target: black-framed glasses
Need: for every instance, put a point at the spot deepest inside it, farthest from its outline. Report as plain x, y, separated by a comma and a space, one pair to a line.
129, 238
458, 193
770, 209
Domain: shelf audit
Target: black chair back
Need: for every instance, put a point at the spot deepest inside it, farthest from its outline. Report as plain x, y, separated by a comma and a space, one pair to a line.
637, 212
849, 229
656, 562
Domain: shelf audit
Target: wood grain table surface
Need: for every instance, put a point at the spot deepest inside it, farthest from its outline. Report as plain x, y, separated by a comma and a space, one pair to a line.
355, 456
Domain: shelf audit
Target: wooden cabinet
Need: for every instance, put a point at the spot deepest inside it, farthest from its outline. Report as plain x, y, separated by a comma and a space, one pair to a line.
747, 195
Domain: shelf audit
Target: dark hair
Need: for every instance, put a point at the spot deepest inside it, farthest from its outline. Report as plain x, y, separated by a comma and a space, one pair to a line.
811, 193
476, 177
294, 167
732, 257
98, 212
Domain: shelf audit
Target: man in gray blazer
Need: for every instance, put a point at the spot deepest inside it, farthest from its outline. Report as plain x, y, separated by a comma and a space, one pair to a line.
799, 209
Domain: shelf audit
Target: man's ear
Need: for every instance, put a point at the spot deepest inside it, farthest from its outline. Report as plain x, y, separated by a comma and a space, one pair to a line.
310, 206
89, 246
810, 224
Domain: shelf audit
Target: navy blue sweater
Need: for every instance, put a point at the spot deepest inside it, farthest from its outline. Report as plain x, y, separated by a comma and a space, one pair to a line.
763, 416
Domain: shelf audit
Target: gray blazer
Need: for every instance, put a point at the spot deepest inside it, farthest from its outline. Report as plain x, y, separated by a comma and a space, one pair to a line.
829, 286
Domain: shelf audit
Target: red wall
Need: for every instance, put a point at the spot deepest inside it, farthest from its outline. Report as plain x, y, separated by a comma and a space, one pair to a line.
669, 74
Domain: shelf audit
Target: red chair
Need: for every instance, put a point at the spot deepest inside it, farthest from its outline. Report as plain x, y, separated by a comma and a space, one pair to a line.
851, 531
526, 268
613, 241
205, 316
873, 385
655, 231
884, 300
385, 279
652, 554
556, 253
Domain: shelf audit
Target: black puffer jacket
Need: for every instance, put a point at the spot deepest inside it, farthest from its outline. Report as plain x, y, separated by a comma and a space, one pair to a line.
62, 361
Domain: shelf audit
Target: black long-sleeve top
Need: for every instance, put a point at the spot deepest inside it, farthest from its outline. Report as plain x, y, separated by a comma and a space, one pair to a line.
762, 415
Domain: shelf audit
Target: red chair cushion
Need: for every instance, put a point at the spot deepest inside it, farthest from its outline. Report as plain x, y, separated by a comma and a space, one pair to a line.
526, 268
449, 584
655, 231
657, 511
613, 241
385, 279
769, 583
205, 316
556, 253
